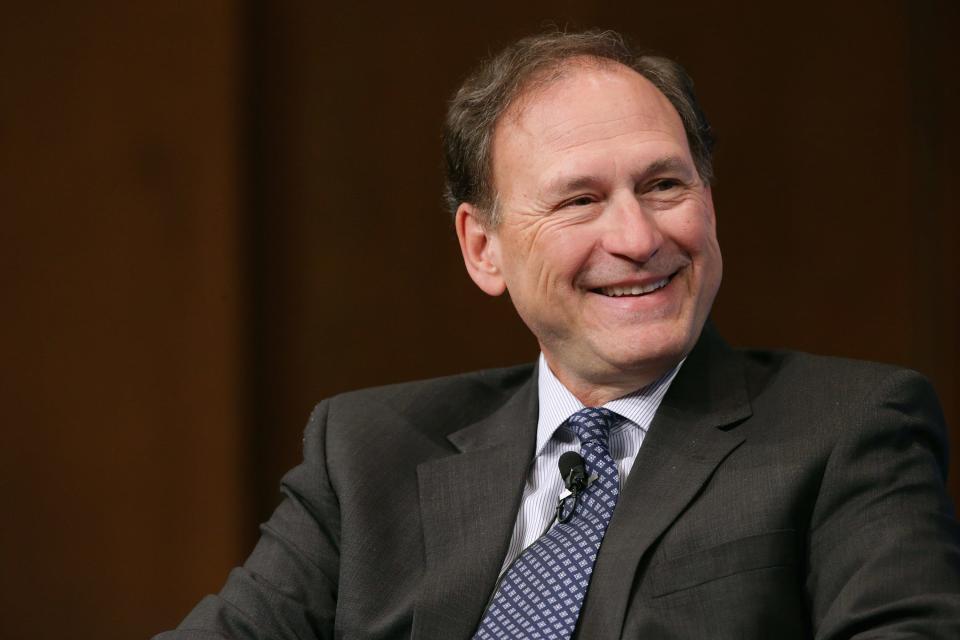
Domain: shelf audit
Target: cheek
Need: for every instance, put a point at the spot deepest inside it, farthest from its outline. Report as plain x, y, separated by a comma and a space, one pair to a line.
694, 231
557, 255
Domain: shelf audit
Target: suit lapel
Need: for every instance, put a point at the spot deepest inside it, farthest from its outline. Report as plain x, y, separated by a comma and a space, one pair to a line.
468, 505
691, 434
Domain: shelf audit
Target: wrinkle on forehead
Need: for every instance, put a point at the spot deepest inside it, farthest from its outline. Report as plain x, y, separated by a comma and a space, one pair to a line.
567, 137
543, 80
590, 70
549, 121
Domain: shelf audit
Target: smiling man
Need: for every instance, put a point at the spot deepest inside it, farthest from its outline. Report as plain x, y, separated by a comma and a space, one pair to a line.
642, 479
606, 236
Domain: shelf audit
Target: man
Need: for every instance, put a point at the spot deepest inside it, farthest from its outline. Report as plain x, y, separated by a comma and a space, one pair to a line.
720, 494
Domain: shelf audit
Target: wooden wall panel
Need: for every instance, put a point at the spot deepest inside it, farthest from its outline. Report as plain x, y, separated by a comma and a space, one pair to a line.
122, 440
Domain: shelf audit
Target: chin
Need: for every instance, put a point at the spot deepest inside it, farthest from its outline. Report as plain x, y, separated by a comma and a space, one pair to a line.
653, 348
648, 362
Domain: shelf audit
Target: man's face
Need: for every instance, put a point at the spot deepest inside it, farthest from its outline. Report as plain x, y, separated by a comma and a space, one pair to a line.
607, 240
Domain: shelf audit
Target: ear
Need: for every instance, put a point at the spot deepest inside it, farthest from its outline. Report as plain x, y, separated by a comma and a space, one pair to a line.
481, 250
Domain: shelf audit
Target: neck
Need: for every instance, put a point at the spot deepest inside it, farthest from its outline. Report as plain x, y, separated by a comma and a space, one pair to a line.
598, 391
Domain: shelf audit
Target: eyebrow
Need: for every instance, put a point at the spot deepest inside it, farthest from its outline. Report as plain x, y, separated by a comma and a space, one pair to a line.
666, 164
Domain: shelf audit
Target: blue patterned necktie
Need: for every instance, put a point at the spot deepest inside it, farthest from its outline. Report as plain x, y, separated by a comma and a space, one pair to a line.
541, 593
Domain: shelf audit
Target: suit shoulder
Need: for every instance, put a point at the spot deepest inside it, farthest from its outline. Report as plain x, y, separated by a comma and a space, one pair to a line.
833, 390
812, 371
453, 400
485, 381
818, 401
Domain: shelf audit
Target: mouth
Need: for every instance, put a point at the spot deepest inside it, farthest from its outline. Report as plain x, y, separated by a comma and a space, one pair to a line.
635, 289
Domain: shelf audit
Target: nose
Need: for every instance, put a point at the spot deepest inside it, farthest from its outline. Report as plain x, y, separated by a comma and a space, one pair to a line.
631, 231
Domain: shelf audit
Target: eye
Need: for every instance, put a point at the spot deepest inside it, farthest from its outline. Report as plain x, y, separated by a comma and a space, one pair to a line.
665, 184
580, 201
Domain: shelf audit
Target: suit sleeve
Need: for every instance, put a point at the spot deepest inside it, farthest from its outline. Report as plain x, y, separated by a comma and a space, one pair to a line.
883, 546
287, 588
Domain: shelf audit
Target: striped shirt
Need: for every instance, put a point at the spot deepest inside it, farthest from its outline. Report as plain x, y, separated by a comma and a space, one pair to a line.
544, 484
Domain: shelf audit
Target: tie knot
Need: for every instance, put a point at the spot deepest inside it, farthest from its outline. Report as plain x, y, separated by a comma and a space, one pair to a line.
593, 423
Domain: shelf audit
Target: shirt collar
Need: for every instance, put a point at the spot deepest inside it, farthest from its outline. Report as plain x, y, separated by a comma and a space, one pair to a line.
557, 403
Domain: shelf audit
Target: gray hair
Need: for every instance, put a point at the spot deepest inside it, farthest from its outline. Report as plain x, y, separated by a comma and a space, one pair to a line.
488, 93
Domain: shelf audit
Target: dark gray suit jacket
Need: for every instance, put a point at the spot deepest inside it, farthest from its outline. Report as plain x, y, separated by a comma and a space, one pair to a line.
776, 495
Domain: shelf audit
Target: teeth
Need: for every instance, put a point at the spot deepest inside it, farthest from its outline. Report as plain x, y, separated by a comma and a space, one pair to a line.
633, 290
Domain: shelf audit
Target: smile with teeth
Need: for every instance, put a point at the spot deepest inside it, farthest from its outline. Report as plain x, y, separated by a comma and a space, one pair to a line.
634, 289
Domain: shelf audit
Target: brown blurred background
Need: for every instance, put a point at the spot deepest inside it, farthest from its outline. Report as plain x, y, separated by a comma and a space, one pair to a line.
214, 214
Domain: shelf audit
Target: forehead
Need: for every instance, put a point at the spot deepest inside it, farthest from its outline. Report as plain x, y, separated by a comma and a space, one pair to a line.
590, 107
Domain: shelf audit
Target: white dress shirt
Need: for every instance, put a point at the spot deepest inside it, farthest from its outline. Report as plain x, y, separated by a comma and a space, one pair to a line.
544, 484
